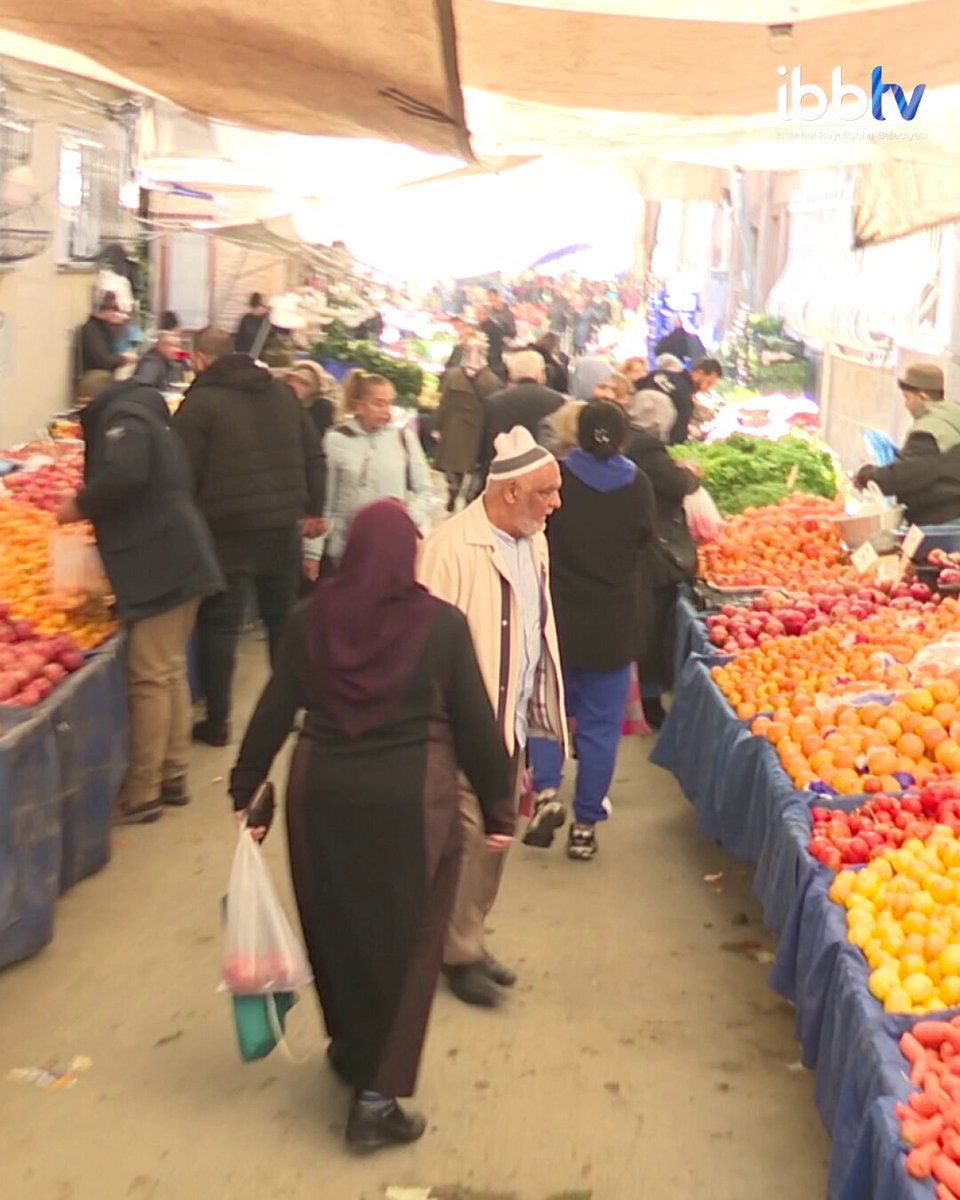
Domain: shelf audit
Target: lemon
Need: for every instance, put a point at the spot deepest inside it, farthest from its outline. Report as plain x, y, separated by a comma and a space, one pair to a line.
949, 990
842, 886
898, 1001
883, 981
919, 988
949, 960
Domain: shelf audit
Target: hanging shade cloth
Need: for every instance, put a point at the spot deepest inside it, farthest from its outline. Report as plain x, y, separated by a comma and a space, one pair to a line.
895, 199
305, 66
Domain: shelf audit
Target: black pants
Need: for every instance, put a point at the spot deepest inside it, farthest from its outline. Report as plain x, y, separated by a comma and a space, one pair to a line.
268, 562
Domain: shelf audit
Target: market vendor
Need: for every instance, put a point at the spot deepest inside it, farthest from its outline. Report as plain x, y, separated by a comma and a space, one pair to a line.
925, 475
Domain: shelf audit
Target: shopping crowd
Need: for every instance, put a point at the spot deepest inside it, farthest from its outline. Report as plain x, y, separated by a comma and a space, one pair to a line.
436, 673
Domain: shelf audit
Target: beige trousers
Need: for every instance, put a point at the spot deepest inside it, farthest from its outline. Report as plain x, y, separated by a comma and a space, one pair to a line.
159, 703
480, 873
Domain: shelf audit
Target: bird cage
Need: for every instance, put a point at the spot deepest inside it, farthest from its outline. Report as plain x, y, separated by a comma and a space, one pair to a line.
22, 232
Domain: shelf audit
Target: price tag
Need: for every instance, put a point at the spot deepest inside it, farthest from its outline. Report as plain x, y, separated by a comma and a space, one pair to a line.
792, 476
864, 558
911, 543
888, 571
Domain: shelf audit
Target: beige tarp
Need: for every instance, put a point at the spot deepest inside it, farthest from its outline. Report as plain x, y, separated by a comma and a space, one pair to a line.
681, 98
373, 68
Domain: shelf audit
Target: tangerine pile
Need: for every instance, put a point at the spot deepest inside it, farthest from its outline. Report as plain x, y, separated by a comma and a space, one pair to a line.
791, 544
25, 578
850, 656
871, 747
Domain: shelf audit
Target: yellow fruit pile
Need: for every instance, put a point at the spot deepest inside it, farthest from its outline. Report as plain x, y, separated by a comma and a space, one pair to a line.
903, 911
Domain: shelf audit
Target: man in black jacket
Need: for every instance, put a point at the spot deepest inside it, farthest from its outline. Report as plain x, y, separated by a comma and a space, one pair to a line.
258, 471
98, 350
160, 560
528, 403
681, 385
155, 368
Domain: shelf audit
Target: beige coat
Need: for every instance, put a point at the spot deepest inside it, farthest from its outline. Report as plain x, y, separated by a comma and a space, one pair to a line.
461, 563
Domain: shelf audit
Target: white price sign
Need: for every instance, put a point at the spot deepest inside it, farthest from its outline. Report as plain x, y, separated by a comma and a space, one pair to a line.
864, 558
911, 544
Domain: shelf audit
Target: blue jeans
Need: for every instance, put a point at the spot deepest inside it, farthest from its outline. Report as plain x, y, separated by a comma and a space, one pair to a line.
597, 701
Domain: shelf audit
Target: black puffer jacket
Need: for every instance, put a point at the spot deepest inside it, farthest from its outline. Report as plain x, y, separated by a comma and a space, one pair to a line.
155, 546
256, 458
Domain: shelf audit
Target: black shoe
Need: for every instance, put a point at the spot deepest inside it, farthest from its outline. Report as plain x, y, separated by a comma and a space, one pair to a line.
653, 711
452, 503
472, 984
174, 792
502, 976
373, 1124
145, 814
213, 735
549, 815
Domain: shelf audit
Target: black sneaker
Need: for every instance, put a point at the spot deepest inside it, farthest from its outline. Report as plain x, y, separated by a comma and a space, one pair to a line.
581, 842
174, 792
549, 815
144, 814
212, 735
374, 1124
472, 984
653, 711
502, 976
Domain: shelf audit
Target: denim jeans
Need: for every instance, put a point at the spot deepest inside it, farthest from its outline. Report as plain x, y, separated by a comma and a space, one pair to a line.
597, 701
268, 562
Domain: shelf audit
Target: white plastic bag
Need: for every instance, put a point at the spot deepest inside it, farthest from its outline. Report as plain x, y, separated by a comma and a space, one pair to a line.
75, 564
703, 517
262, 952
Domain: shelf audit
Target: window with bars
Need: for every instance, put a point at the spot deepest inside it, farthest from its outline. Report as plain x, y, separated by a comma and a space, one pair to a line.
91, 215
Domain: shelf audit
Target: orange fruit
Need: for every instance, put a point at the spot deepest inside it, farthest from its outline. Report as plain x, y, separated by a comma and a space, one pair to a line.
919, 700
911, 746
871, 713
890, 729
947, 755
944, 691
882, 762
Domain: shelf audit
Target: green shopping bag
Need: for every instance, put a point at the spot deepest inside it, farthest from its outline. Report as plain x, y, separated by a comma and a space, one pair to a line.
260, 1022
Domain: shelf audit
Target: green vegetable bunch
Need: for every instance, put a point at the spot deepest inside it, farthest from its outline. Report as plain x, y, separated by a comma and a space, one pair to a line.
746, 471
339, 344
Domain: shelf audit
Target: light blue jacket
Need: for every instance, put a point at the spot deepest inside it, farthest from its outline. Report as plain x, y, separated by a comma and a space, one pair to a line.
363, 467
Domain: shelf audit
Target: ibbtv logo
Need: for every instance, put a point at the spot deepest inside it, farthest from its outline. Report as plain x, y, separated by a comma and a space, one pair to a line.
801, 101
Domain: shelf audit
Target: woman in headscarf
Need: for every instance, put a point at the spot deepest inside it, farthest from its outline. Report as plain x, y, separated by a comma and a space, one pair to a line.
463, 394
671, 558
395, 704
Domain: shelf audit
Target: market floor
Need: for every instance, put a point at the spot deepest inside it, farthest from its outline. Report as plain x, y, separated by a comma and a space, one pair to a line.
641, 1057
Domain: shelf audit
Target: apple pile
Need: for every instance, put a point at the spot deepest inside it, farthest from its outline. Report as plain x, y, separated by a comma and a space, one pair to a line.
772, 614
949, 564
842, 838
31, 666
47, 486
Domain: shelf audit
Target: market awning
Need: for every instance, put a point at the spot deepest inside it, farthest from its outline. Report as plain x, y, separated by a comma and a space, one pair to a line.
276, 235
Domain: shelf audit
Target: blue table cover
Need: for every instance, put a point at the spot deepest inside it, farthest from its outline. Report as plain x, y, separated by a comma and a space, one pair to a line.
61, 766
744, 799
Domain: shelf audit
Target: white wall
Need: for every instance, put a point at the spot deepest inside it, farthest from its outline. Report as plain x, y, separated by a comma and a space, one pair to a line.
41, 304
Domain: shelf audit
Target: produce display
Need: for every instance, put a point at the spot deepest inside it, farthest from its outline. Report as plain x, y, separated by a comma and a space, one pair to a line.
930, 1120
744, 471
793, 544
948, 562
842, 838
44, 630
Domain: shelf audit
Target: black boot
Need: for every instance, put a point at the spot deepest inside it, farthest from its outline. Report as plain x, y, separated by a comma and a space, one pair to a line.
212, 735
373, 1124
654, 711
472, 984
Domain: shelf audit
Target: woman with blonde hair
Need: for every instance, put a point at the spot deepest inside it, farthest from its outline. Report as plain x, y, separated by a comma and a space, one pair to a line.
564, 428
634, 368
316, 391
616, 388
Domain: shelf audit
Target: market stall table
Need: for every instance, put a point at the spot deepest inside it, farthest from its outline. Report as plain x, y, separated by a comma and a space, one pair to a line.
61, 766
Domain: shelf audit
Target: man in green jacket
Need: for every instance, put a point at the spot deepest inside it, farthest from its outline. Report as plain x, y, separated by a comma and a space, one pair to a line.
925, 476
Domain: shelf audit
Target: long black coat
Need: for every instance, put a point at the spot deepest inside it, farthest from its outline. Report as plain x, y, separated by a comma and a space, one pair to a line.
669, 559
97, 349
156, 548
596, 541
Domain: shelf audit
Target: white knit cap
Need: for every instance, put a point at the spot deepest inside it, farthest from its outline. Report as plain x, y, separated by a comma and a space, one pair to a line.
517, 454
